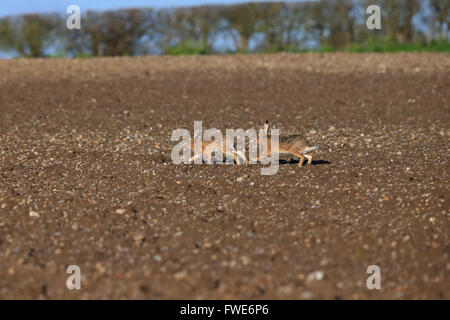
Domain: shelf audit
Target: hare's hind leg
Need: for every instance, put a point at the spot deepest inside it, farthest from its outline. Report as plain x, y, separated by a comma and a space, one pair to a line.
309, 157
298, 154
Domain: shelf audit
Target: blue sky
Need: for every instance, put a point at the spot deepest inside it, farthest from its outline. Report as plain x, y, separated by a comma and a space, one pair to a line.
15, 7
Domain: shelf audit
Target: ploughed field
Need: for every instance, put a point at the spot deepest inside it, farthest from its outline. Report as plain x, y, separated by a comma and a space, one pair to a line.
86, 178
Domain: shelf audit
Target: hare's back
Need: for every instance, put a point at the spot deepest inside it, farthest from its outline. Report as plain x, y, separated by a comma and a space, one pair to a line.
293, 138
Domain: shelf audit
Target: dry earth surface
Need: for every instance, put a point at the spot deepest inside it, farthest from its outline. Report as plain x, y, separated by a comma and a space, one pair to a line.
86, 178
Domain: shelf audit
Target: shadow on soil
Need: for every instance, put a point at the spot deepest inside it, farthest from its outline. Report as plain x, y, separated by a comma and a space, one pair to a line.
314, 162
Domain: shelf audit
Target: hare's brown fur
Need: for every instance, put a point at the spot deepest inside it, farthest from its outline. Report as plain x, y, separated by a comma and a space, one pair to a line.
294, 144
205, 144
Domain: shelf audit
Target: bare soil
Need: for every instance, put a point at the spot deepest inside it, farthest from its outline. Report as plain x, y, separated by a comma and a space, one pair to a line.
86, 178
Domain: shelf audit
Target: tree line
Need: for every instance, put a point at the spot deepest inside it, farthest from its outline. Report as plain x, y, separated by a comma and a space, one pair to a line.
248, 27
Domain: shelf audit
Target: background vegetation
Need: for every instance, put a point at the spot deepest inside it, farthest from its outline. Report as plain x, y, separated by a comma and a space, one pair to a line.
339, 25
